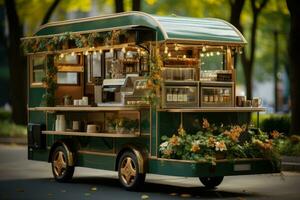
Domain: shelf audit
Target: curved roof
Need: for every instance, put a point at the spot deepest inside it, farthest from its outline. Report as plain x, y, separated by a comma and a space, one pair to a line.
168, 28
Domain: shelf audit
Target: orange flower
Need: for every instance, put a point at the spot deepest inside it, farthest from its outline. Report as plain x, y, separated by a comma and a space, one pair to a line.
205, 124
275, 134
174, 140
195, 148
167, 152
181, 131
221, 146
234, 133
211, 141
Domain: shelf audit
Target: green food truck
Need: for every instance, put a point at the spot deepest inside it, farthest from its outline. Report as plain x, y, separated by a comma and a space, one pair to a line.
138, 93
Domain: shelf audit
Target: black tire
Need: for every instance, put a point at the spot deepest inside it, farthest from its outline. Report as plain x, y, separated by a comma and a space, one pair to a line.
211, 182
128, 172
61, 170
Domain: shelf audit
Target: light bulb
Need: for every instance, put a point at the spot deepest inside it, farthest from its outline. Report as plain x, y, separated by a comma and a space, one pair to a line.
166, 49
202, 55
123, 50
184, 56
203, 48
207, 54
211, 53
73, 53
111, 50
86, 53
169, 54
100, 51
176, 47
218, 53
94, 53
61, 55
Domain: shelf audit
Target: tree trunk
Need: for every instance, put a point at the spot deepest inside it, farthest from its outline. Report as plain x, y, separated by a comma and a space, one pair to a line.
136, 5
294, 55
50, 11
119, 6
16, 60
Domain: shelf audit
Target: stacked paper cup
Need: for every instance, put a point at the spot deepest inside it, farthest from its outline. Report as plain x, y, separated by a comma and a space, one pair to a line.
60, 123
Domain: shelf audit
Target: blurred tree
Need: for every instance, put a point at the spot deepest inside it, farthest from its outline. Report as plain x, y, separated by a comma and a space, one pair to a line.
50, 11
136, 5
248, 61
119, 5
18, 78
16, 60
294, 44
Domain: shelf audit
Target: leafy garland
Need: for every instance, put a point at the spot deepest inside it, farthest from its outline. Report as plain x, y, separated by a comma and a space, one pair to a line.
73, 40
213, 142
49, 82
154, 79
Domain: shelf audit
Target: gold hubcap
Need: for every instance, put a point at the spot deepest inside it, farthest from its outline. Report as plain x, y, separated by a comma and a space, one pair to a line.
128, 171
59, 163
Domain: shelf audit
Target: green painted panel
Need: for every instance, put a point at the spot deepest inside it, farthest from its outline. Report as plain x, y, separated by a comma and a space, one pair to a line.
176, 27
188, 169
142, 142
153, 132
35, 96
97, 162
40, 155
37, 117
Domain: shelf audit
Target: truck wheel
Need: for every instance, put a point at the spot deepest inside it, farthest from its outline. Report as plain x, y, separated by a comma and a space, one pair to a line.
211, 182
61, 170
128, 171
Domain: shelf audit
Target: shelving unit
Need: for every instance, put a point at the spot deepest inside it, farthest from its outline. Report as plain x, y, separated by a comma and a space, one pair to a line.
108, 135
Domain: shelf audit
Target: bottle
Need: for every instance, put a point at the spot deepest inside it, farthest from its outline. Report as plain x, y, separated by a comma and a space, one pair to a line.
180, 95
185, 96
175, 95
169, 95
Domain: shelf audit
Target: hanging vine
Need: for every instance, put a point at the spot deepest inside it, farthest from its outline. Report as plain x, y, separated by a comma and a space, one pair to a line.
49, 82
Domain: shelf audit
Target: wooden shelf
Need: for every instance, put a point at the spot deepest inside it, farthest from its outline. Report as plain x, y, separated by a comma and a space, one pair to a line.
214, 109
109, 135
90, 109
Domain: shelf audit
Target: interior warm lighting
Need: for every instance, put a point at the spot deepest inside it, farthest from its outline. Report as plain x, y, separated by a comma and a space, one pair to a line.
176, 47
166, 49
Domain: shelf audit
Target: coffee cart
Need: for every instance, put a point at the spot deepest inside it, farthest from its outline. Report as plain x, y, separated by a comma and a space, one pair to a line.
102, 91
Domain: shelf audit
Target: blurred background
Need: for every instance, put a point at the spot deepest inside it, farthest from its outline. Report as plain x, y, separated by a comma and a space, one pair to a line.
264, 68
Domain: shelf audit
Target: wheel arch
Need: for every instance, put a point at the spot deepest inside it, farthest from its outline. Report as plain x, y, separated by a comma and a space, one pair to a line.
139, 152
71, 149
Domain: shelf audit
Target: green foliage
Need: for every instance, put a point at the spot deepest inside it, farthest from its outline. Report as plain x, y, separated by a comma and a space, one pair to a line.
8, 129
50, 82
280, 123
4, 115
212, 141
289, 147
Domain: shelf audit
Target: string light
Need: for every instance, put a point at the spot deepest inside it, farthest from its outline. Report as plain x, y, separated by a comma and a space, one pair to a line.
207, 54
176, 47
95, 53
61, 55
211, 53
111, 50
169, 54
166, 49
203, 48
202, 55
100, 51
218, 53
73, 53
184, 56
86, 53
123, 50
